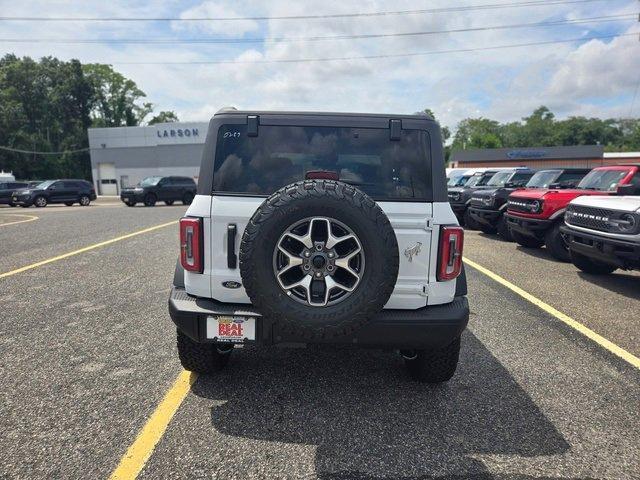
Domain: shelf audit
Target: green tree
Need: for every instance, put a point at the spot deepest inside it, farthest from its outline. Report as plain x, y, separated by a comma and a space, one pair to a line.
117, 98
477, 133
48, 105
163, 117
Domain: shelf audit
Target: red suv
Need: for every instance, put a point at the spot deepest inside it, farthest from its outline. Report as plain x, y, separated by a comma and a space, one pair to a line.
534, 216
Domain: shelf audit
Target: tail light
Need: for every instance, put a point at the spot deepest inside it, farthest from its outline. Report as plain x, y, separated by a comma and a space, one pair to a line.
450, 253
191, 242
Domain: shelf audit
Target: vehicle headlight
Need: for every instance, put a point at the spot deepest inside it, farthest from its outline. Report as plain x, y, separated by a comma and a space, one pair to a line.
455, 196
536, 206
138, 190
625, 223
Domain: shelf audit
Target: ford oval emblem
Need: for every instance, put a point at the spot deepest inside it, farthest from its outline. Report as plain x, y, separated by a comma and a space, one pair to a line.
231, 284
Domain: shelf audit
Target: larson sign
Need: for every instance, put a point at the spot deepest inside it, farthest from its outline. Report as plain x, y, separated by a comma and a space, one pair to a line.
177, 132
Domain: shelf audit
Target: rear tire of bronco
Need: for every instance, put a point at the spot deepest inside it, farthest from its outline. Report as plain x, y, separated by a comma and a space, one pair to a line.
332, 305
588, 265
434, 366
203, 358
556, 245
526, 241
503, 230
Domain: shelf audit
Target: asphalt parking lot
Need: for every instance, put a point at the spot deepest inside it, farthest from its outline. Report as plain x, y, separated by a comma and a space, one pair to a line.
88, 354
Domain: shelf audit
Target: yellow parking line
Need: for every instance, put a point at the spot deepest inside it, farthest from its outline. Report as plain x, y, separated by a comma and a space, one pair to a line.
30, 218
145, 443
586, 331
85, 249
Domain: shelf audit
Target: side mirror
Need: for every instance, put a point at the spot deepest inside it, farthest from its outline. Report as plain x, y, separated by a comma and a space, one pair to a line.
628, 190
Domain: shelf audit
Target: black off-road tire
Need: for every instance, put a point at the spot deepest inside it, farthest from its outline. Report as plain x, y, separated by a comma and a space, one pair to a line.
555, 243
589, 265
168, 202
434, 366
503, 229
150, 200
526, 241
68, 204
203, 358
319, 198
187, 198
469, 222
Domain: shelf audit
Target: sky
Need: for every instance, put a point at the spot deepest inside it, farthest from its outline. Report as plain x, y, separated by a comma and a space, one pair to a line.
591, 77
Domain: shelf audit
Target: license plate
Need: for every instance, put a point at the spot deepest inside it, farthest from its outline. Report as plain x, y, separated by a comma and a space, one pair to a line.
234, 329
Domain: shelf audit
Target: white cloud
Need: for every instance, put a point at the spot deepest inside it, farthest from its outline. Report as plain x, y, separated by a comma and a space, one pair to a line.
595, 78
217, 9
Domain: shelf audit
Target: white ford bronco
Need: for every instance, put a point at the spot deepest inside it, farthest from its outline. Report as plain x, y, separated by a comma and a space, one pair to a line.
321, 228
603, 233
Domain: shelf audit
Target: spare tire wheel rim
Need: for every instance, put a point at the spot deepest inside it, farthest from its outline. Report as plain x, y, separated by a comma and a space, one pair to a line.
318, 261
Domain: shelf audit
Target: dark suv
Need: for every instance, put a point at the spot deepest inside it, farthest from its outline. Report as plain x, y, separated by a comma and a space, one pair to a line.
67, 191
7, 188
460, 197
165, 189
487, 207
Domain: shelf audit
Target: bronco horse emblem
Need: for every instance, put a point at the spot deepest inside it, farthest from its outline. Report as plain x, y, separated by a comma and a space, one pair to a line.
410, 252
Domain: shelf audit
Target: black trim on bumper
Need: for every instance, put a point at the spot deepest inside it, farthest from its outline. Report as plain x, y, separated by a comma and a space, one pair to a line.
616, 252
534, 227
485, 216
429, 327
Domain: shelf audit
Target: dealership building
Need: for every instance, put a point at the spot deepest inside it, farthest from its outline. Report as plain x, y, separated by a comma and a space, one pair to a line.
541, 157
122, 156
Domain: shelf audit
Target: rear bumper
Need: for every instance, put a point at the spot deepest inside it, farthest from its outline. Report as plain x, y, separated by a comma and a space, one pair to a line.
534, 227
485, 216
430, 327
616, 252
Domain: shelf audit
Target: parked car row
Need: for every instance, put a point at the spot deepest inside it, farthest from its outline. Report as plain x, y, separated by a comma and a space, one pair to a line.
69, 191
588, 217
42, 193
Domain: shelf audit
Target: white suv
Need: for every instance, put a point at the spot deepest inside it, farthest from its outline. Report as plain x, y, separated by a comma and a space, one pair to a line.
321, 228
603, 233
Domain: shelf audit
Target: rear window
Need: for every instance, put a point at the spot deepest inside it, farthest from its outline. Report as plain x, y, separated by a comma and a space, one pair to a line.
363, 157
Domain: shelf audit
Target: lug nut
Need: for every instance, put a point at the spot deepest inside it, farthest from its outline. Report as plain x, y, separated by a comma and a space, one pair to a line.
306, 267
330, 268
318, 274
318, 247
307, 253
331, 255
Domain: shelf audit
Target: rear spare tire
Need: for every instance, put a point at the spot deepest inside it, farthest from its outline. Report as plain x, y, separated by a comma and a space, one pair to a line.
319, 258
